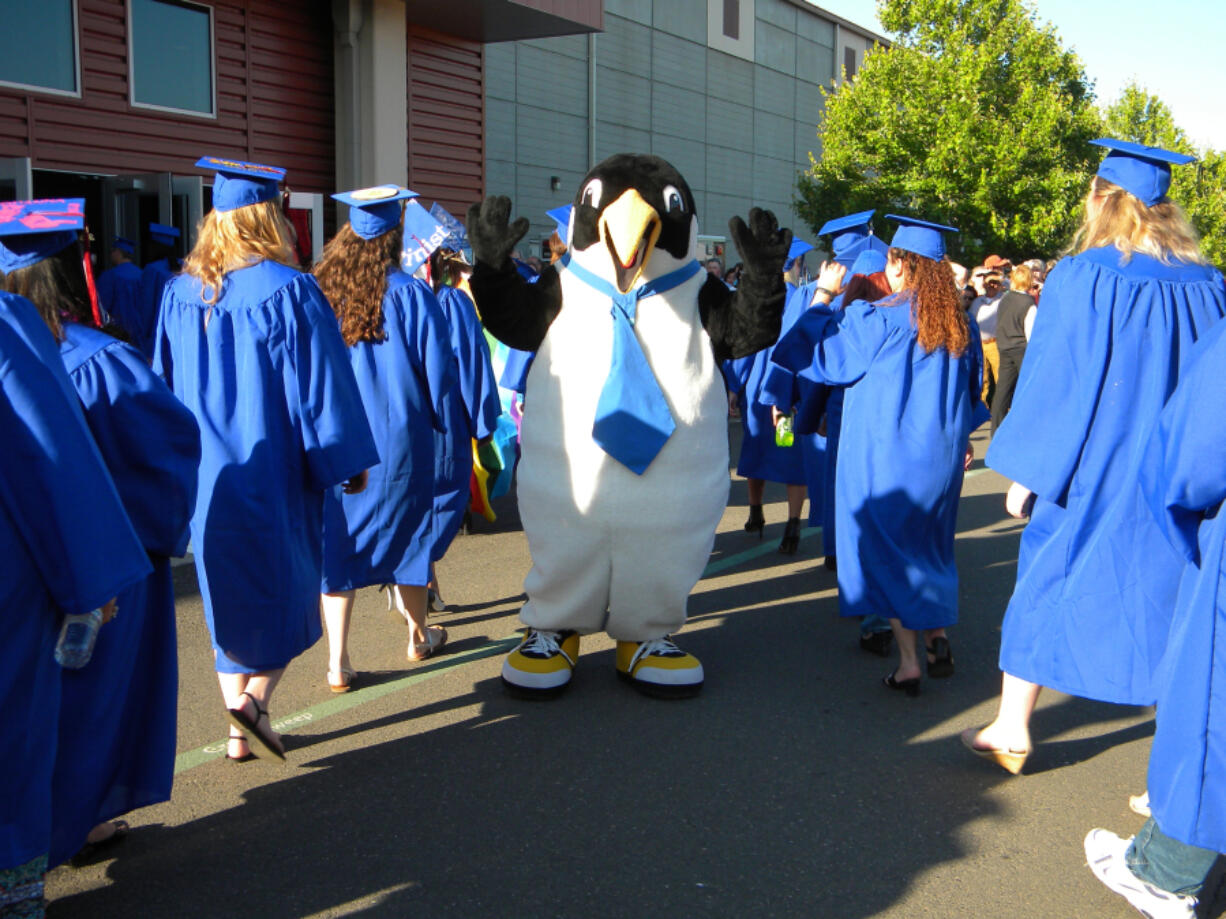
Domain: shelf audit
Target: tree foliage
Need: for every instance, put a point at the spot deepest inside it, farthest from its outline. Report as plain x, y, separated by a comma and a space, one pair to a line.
976, 117
1200, 189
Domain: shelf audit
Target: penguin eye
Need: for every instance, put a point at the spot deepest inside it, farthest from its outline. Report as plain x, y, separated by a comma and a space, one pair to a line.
591, 193
673, 202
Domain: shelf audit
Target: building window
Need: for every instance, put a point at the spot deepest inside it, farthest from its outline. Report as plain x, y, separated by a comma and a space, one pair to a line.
38, 45
171, 56
849, 63
732, 18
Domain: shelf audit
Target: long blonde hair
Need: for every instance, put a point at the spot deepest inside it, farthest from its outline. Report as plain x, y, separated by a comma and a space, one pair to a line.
1161, 230
228, 240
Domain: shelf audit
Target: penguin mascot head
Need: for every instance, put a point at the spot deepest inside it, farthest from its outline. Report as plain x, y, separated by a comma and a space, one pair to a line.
633, 220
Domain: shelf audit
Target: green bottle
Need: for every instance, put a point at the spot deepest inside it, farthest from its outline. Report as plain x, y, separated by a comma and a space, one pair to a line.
783, 432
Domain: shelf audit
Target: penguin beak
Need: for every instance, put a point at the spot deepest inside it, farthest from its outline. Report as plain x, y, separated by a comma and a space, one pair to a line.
629, 227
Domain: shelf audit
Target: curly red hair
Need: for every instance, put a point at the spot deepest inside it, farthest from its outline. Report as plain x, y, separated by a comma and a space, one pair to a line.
353, 276
935, 305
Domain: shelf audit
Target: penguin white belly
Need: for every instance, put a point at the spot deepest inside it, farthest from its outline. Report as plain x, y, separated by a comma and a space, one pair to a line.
612, 550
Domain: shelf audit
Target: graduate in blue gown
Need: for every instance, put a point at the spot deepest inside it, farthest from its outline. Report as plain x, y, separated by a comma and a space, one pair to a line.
158, 272
907, 421
256, 354
1096, 581
761, 459
399, 349
68, 548
119, 289
118, 714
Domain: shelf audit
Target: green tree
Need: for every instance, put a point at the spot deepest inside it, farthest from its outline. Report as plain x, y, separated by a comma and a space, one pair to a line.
976, 116
1143, 118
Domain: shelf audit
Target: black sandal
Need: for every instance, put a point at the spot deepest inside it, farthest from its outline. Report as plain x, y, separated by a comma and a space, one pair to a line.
911, 687
255, 737
942, 663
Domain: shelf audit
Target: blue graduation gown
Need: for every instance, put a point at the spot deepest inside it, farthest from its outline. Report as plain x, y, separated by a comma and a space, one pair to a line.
68, 547
470, 410
1183, 476
515, 371
153, 281
760, 457
118, 714
266, 373
904, 436
384, 534
1096, 581
119, 297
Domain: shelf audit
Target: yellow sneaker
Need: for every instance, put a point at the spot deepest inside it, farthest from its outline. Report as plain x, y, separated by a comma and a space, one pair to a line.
542, 663
659, 668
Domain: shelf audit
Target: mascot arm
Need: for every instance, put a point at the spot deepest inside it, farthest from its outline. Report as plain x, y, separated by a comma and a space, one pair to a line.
748, 319
515, 312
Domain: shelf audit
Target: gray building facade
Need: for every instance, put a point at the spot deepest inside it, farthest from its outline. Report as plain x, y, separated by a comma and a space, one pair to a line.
725, 90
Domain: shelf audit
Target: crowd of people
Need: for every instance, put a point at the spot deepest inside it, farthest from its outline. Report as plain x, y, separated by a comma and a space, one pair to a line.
275, 417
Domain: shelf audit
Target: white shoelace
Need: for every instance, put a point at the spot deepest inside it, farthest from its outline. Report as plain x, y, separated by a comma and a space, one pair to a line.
661, 646
544, 644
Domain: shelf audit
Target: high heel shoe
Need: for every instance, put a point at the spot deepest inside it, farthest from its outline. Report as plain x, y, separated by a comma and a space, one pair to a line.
911, 687
791, 537
756, 520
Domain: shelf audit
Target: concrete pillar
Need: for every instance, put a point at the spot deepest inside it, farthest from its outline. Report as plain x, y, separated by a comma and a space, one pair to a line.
372, 129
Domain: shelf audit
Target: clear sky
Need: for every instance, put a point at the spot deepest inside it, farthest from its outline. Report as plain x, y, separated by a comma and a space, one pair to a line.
1175, 50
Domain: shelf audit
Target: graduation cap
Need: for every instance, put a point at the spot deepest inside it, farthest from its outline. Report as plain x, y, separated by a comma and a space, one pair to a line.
457, 234
923, 237
423, 233
374, 211
798, 248
1142, 171
123, 244
561, 216
868, 256
31, 231
846, 231
239, 184
163, 234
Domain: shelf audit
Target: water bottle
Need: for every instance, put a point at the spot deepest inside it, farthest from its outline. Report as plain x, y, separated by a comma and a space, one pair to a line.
783, 432
77, 637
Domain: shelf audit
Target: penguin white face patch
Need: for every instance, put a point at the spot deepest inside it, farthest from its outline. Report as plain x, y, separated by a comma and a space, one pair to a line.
592, 192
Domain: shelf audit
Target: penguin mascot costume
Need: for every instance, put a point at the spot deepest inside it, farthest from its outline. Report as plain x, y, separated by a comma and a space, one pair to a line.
623, 476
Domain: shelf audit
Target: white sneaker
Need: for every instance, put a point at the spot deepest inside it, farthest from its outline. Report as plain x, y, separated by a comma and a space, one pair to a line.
1105, 855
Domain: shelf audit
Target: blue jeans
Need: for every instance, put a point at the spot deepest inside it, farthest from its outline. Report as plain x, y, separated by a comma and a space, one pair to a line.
1169, 864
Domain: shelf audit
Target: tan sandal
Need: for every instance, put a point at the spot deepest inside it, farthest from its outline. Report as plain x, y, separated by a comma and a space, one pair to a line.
342, 680
1011, 761
436, 640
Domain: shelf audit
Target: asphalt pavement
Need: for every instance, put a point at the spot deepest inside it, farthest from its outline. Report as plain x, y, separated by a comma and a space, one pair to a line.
796, 785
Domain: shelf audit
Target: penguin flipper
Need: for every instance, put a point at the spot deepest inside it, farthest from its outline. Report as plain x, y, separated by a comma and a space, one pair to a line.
748, 319
515, 312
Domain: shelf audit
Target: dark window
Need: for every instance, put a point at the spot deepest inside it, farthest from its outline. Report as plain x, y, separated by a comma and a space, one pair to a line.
849, 62
38, 44
732, 18
172, 55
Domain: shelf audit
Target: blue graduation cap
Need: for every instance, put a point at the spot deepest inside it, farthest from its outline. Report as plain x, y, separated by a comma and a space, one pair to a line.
561, 216
123, 244
374, 211
846, 231
457, 234
798, 248
1140, 170
31, 231
923, 237
239, 184
423, 233
164, 234
868, 256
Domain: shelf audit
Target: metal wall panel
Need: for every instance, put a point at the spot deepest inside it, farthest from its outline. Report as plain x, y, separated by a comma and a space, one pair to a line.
774, 92
679, 63
500, 71
549, 78
730, 78
729, 124
774, 135
617, 138
625, 46
638, 10
775, 48
683, 18
500, 129
677, 112
688, 156
729, 171
623, 98
551, 139
777, 13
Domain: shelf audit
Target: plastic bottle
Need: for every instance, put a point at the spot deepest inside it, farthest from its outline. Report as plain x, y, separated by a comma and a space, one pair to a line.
783, 432
77, 637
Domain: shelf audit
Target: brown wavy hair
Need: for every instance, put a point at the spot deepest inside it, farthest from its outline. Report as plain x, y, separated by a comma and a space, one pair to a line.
353, 276
229, 240
870, 287
935, 304
1122, 220
446, 268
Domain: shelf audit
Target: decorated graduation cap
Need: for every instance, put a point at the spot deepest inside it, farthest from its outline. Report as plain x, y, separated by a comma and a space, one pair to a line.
374, 211
798, 248
239, 184
125, 245
1142, 171
561, 216
423, 233
31, 231
163, 233
923, 237
457, 235
846, 232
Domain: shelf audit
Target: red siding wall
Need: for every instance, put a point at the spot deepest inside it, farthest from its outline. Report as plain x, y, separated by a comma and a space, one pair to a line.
446, 119
274, 99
